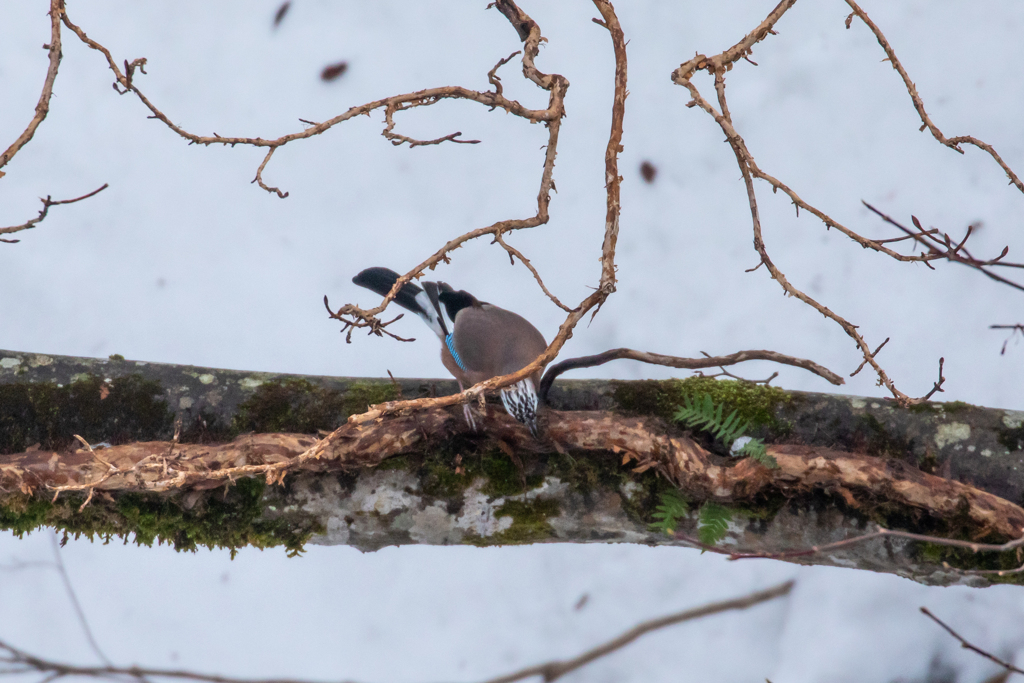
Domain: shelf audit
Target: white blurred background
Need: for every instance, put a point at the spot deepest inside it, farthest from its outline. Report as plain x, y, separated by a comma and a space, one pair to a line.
182, 260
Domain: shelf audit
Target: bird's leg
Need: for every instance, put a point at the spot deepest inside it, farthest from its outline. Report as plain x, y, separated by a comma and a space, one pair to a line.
466, 412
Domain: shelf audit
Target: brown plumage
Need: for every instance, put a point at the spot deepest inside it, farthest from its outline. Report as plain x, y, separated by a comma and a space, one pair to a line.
478, 340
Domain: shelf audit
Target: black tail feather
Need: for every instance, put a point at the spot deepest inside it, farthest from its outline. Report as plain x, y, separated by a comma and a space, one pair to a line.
381, 280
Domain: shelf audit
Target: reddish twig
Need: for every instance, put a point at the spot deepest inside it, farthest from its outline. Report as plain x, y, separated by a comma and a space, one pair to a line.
718, 65
56, 13
47, 203
1014, 330
968, 646
514, 253
529, 31
946, 249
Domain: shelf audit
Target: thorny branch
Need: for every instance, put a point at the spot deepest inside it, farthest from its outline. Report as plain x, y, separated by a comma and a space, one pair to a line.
717, 66
952, 143
124, 83
354, 317
20, 661
47, 203
529, 32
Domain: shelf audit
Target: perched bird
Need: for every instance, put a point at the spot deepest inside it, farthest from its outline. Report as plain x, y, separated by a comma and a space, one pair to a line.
478, 339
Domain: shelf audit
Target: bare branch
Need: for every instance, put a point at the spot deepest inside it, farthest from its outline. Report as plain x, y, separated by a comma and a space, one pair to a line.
124, 83
686, 363
557, 86
552, 671
43, 105
718, 65
879, 532
47, 203
1014, 330
968, 646
28, 662
514, 253
952, 143
19, 661
945, 248
58, 560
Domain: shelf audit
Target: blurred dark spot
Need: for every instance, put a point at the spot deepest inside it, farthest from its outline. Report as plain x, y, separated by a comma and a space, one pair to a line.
281, 11
584, 599
161, 283
649, 171
333, 71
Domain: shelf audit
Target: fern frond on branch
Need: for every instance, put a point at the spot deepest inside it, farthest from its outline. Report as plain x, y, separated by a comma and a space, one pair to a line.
667, 515
704, 415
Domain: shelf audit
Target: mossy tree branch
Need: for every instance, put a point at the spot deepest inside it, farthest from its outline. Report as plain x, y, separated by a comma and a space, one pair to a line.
609, 455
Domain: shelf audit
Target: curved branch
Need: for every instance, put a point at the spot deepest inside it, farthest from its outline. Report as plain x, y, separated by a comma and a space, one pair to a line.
606, 286
492, 99
952, 143
554, 670
43, 105
47, 203
686, 363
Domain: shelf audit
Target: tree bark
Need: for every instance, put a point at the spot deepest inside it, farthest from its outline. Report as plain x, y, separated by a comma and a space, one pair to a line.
249, 468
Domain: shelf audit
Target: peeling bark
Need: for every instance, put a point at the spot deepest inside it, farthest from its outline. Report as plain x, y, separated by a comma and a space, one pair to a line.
425, 478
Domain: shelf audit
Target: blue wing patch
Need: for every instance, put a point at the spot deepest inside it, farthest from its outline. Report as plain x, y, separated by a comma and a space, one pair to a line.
450, 343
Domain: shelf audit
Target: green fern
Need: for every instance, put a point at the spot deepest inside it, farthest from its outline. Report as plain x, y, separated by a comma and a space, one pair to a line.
673, 507
755, 450
713, 523
703, 414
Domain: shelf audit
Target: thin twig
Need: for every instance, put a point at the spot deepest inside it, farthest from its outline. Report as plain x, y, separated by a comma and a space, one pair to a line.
879, 532
56, 13
952, 143
56, 670
873, 354
718, 65
968, 646
557, 86
20, 661
514, 253
62, 570
1014, 330
554, 670
47, 203
948, 250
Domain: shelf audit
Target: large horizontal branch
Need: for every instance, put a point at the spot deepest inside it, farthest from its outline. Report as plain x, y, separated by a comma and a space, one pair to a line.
609, 455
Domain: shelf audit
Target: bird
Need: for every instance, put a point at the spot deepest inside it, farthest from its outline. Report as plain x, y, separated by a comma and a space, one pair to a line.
478, 340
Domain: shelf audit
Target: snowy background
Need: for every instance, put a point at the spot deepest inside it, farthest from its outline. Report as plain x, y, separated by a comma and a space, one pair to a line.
182, 260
